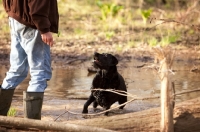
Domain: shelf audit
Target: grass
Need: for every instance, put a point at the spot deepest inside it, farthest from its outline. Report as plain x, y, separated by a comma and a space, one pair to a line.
145, 15
109, 35
108, 9
153, 42
104, 20
12, 112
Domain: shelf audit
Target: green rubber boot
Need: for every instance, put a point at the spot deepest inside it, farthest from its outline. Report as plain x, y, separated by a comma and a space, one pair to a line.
32, 102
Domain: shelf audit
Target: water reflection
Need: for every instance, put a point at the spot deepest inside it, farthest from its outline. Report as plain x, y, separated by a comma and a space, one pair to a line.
68, 83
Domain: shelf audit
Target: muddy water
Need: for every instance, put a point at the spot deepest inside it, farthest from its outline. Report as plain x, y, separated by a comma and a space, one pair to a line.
69, 83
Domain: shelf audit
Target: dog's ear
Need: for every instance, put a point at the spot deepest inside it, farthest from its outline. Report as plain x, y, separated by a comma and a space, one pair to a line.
114, 61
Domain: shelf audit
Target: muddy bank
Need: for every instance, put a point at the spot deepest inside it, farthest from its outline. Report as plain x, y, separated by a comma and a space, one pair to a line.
186, 118
54, 109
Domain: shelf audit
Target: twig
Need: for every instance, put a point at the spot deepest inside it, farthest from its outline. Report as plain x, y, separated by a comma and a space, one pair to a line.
104, 110
174, 21
61, 115
174, 96
189, 91
74, 113
119, 92
133, 99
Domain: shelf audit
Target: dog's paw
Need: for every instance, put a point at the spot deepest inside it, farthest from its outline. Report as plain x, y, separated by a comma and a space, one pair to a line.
85, 111
107, 114
85, 116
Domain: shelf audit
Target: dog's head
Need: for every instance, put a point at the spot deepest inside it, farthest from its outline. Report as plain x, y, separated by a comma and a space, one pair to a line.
104, 61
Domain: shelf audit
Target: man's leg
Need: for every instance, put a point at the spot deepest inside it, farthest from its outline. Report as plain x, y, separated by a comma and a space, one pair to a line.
18, 69
39, 62
40, 70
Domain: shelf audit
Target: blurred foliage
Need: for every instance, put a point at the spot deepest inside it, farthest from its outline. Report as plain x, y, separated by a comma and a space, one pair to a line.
108, 9
12, 112
110, 34
146, 14
166, 40
153, 42
121, 21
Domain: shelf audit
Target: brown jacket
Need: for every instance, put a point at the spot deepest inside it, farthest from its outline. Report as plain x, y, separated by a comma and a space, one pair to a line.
38, 14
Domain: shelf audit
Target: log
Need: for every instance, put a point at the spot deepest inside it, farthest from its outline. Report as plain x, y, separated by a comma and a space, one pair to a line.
186, 118
44, 125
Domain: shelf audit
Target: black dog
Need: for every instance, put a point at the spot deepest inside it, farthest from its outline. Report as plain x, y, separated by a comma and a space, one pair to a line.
106, 77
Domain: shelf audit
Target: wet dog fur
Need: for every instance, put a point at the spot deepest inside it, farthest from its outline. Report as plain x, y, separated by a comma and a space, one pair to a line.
107, 77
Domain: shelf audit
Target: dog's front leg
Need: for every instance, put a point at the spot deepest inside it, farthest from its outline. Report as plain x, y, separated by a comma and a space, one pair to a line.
95, 104
89, 101
107, 108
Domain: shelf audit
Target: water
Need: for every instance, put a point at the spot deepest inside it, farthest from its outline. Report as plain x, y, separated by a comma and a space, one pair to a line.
141, 82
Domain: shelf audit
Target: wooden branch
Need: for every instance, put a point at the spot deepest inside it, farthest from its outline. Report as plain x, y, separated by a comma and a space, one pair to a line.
47, 125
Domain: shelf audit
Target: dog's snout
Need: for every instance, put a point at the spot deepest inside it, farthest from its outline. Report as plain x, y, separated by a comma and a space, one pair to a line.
96, 54
95, 58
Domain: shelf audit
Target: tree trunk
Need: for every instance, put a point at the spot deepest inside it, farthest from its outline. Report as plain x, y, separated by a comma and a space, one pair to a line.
166, 124
186, 118
44, 125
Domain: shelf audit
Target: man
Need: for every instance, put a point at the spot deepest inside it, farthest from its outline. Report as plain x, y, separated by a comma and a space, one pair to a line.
32, 23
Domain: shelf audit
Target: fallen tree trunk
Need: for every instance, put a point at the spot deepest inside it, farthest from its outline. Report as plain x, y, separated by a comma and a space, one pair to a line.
44, 125
186, 118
